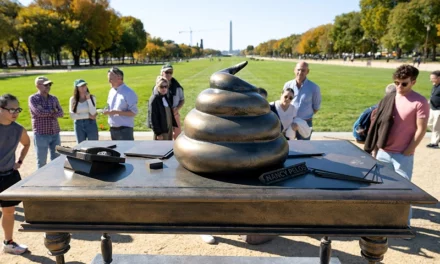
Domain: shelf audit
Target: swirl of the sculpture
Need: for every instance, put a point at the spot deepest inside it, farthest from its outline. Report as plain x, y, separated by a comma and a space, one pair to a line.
231, 130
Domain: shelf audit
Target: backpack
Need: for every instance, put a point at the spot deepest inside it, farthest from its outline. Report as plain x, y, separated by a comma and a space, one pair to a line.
362, 124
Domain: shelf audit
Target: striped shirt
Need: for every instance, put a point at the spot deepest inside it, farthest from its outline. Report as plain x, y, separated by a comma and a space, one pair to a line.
44, 113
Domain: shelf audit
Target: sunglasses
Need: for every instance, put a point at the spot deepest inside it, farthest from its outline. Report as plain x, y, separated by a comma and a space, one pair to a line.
48, 85
288, 97
168, 72
404, 84
13, 111
163, 86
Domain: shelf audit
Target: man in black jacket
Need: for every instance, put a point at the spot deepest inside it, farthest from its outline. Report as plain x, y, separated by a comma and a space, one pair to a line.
175, 96
434, 113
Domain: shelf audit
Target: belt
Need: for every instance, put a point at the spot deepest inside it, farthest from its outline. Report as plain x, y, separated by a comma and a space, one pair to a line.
6, 173
118, 128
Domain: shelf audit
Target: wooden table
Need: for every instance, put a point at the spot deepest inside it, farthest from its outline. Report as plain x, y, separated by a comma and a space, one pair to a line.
135, 199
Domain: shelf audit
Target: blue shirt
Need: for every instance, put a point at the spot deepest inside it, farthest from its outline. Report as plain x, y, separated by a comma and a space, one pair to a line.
307, 98
122, 98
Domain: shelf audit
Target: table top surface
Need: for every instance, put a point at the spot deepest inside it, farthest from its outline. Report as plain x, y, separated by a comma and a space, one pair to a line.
134, 180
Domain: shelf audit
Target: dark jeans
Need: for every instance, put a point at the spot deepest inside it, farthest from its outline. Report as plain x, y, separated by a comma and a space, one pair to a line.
299, 137
86, 129
44, 143
121, 133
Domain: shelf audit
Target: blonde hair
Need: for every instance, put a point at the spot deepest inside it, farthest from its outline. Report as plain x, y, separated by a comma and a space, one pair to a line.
160, 80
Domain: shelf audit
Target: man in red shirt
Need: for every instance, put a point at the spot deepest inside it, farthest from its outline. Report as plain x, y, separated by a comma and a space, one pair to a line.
411, 112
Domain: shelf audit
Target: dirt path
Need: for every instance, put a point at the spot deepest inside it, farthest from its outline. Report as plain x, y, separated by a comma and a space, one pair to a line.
425, 248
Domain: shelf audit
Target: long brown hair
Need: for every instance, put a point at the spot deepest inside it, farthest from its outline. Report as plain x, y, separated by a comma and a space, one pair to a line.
76, 98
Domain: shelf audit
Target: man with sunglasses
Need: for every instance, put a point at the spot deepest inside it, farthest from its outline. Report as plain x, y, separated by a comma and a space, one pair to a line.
307, 98
45, 110
121, 106
400, 124
11, 134
175, 96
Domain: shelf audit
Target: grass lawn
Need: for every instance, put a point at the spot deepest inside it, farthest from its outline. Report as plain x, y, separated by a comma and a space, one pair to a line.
346, 91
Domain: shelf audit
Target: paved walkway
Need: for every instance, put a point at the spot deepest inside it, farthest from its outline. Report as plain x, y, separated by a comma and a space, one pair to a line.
392, 64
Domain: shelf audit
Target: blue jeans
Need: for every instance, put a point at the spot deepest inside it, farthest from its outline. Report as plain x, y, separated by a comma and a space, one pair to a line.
121, 133
85, 129
44, 142
299, 137
401, 164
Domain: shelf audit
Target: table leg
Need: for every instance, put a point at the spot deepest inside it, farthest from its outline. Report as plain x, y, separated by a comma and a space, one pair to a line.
373, 249
325, 250
106, 248
57, 244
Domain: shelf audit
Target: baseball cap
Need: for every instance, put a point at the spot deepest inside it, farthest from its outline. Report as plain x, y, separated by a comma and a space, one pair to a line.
79, 82
42, 79
166, 67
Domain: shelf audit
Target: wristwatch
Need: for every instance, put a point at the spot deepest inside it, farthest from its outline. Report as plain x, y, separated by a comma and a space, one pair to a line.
20, 162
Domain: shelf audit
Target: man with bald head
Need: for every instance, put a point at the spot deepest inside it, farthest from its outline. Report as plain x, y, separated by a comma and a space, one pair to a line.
307, 95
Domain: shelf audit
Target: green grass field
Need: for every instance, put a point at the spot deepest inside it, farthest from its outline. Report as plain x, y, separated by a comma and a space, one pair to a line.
346, 91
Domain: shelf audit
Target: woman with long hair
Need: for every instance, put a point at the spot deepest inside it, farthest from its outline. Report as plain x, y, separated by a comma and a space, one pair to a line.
160, 116
82, 109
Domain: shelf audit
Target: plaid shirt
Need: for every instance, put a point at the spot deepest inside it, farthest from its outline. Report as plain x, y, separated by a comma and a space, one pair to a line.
44, 114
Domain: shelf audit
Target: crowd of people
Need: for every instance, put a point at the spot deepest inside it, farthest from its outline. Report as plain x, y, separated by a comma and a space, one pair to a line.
396, 126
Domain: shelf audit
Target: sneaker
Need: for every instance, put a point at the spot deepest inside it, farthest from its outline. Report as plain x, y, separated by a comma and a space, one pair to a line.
208, 239
14, 248
430, 145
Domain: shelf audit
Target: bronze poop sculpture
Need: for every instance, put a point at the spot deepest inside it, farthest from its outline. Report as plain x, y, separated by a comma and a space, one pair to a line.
231, 130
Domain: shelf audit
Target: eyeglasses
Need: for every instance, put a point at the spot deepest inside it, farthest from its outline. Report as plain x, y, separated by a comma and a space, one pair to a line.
288, 97
163, 86
13, 111
404, 84
168, 72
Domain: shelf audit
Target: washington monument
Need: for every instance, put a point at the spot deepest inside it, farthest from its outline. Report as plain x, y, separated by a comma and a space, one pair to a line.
230, 37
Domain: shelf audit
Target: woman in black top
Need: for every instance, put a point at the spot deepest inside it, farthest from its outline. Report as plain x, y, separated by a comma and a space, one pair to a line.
160, 116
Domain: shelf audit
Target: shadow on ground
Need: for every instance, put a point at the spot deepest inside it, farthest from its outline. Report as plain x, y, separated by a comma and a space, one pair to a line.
290, 248
44, 259
116, 238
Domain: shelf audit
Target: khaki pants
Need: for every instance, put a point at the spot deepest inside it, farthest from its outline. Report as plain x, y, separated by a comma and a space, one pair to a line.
434, 125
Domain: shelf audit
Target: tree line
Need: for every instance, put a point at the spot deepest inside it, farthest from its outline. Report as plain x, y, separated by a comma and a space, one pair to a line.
397, 26
72, 29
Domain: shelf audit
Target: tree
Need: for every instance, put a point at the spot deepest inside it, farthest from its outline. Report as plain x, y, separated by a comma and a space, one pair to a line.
249, 50
375, 18
6, 27
428, 12
9, 11
133, 37
156, 40
405, 29
347, 32
316, 40
42, 30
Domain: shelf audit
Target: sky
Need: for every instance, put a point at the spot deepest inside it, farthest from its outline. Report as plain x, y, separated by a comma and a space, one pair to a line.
253, 21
